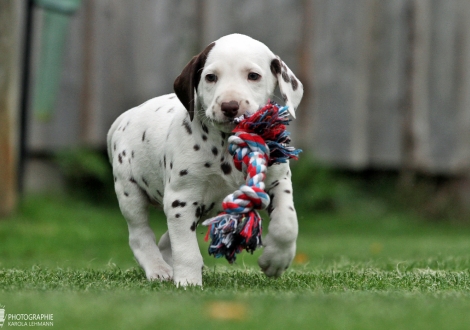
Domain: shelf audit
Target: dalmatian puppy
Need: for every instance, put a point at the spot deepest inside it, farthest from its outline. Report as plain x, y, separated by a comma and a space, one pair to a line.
172, 151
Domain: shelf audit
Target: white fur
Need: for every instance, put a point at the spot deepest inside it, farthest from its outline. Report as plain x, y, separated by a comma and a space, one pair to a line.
160, 156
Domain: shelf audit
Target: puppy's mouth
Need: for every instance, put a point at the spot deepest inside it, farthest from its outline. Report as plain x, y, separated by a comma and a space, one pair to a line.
240, 118
225, 126
228, 124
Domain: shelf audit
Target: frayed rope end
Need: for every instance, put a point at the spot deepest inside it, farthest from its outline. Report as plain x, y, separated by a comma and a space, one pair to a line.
232, 233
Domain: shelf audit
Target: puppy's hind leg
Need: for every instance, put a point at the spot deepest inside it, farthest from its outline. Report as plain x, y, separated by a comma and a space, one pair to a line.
134, 206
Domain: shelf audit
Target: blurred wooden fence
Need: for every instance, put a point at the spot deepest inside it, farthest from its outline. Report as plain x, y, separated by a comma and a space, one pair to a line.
9, 96
387, 82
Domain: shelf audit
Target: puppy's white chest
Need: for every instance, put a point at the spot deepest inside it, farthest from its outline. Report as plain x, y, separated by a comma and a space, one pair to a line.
209, 172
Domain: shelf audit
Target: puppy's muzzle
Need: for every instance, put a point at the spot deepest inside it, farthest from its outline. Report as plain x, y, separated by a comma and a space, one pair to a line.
230, 109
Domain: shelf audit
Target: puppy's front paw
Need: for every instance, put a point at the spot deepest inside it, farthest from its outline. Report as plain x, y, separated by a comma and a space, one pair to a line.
276, 258
161, 273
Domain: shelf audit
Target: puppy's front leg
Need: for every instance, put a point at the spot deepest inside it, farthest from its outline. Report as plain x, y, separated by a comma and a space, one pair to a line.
280, 243
187, 260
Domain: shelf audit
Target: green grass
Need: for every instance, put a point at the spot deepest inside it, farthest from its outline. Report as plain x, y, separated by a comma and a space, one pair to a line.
359, 266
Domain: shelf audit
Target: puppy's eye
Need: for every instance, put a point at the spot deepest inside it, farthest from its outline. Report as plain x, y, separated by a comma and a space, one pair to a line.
212, 78
254, 76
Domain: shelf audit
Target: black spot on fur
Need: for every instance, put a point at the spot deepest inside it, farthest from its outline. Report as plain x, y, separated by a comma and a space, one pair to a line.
193, 226
132, 154
170, 110
215, 151
158, 109
210, 208
222, 143
171, 165
275, 184
285, 77
294, 83
126, 194
196, 147
270, 208
291, 208
271, 197
145, 182
124, 153
115, 179
226, 168
132, 180
207, 165
183, 172
195, 203
201, 210
224, 136
275, 67
175, 203
204, 137
114, 147
143, 136
222, 159
159, 193
164, 161
205, 129
287, 191
284, 97
120, 158
187, 126
177, 215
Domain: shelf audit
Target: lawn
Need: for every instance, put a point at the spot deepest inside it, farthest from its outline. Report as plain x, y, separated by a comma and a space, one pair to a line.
363, 265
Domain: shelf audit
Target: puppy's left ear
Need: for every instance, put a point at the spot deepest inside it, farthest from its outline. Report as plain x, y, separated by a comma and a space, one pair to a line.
187, 81
291, 88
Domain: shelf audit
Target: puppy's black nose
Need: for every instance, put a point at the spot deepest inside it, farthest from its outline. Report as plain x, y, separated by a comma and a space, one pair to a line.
230, 109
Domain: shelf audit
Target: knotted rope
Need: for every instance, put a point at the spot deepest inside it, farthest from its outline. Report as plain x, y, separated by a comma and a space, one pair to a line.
260, 140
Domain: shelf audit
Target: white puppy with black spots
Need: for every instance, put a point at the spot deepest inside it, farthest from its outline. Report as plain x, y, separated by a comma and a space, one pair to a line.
172, 151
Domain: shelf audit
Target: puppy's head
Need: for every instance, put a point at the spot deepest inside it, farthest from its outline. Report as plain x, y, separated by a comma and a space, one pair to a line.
233, 76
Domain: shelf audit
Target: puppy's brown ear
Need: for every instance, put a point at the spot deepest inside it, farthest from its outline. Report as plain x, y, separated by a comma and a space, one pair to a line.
289, 85
187, 81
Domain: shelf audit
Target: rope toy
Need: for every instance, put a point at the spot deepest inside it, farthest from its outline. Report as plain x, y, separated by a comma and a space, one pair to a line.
260, 140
